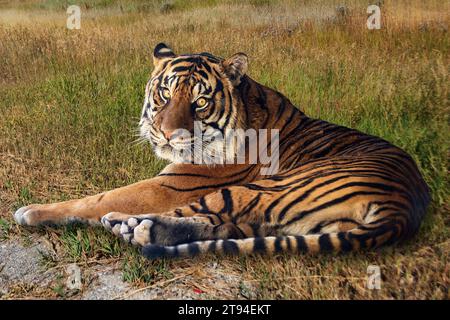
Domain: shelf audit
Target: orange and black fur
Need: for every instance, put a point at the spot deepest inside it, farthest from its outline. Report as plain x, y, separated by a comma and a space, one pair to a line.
337, 189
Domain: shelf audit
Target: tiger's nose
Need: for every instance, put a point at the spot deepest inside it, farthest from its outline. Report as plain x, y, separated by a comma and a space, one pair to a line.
167, 134
172, 134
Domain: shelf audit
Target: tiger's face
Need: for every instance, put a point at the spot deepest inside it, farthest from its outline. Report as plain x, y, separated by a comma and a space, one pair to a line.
191, 101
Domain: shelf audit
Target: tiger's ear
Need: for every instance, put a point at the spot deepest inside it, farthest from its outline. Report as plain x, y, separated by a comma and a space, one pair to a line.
161, 53
236, 67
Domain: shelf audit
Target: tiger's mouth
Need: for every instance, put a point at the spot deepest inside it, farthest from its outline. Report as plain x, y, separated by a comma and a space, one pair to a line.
173, 151
175, 145
175, 154
194, 151
199, 149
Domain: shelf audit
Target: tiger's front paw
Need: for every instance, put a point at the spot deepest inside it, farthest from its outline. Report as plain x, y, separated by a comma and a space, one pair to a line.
28, 215
53, 214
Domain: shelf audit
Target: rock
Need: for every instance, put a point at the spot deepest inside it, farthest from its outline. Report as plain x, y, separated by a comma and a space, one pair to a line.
23, 265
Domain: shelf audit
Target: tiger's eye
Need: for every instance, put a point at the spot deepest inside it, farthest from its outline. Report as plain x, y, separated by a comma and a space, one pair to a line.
166, 93
201, 102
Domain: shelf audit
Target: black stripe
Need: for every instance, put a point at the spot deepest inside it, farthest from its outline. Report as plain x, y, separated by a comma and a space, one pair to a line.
259, 245
278, 247
211, 220
193, 249
373, 185
170, 174
345, 244
178, 212
204, 206
212, 246
206, 66
194, 208
188, 59
204, 75
219, 87
153, 251
319, 226
182, 69
230, 247
215, 186
228, 201
288, 244
379, 210
248, 208
211, 57
325, 242
255, 228
240, 232
301, 244
391, 202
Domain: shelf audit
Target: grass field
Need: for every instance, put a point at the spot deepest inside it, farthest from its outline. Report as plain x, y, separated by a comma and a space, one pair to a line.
70, 102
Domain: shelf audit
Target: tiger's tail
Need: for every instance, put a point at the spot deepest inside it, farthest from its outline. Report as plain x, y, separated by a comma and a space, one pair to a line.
359, 238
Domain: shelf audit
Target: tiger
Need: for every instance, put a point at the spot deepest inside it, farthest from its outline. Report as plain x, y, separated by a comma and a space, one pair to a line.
335, 189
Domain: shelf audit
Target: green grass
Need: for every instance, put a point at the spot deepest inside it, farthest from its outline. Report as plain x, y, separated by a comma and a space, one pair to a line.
5, 227
86, 103
137, 269
81, 244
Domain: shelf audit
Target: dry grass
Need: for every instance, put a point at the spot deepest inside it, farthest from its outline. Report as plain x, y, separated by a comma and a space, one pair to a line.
70, 101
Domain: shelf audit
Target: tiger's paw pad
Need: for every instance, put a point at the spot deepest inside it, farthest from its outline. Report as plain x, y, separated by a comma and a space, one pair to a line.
142, 233
131, 229
113, 221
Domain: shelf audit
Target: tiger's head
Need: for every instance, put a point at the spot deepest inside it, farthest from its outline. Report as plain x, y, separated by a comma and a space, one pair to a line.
188, 94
